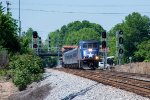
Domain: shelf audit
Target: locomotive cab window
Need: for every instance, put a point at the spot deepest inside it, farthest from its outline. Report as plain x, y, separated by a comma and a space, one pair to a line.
90, 45
85, 45
94, 45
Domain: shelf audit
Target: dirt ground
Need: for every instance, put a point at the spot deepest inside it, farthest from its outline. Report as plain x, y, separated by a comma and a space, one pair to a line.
6, 89
10, 92
33, 92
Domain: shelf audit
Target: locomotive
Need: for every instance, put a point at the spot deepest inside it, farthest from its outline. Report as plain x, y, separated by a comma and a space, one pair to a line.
85, 55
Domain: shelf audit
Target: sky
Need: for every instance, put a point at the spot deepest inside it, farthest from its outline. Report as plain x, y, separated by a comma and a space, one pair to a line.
45, 16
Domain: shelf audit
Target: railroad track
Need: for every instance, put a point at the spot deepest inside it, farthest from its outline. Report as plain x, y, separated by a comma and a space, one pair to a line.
120, 80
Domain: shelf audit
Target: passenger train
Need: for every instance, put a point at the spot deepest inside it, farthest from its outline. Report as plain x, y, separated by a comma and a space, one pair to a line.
85, 55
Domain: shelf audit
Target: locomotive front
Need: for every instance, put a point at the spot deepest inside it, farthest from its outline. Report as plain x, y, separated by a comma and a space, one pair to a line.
89, 53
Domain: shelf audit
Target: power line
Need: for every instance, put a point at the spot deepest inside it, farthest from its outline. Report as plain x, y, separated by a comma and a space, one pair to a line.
73, 12
70, 12
93, 6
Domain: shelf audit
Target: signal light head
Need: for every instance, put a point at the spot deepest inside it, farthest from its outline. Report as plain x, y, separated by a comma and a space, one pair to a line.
121, 32
103, 44
35, 34
121, 51
120, 40
34, 45
104, 34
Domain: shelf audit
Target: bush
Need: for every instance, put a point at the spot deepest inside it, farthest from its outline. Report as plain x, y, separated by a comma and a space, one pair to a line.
25, 70
3, 72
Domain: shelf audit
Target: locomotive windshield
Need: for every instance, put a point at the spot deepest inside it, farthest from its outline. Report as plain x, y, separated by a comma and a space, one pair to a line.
89, 45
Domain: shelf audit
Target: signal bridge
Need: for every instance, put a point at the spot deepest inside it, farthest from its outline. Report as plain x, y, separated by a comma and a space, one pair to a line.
46, 53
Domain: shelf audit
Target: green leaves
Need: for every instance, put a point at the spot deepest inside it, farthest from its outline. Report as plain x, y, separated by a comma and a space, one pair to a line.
83, 34
8, 32
143, 52
25, 69
72, 33
136, 28
26, 41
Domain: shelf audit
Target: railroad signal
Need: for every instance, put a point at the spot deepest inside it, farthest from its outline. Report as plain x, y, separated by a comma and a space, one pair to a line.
120, 51
103, 44
34, 45
49, 41
120, 37
35, 34
104, 34
120, 32
120, 40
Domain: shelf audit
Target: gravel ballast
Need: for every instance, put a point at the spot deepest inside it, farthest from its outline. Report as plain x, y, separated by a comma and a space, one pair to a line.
70, 87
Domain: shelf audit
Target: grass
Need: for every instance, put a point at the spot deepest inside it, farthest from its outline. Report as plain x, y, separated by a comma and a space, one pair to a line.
3, 73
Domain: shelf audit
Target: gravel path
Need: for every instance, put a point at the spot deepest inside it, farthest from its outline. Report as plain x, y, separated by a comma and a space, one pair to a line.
70, 87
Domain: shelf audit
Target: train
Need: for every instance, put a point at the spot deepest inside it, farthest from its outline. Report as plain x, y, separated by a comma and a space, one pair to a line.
86, 54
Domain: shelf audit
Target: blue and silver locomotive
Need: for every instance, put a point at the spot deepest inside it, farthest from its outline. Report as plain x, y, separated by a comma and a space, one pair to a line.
85, 55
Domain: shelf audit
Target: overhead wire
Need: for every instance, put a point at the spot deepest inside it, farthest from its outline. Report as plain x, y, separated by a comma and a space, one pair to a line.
73, 12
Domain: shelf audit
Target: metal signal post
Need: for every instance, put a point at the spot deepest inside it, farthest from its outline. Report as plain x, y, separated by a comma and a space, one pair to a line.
34, 41
104, 46
49, 44
119, 46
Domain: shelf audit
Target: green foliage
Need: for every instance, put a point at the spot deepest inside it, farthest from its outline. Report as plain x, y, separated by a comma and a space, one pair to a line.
26, 41
8, 32
83, 34
73, 32
25, 69
135, 30
143, 52
3, 72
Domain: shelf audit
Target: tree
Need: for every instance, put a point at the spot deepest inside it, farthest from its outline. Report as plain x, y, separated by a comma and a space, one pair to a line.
83, 34
112, 39
72, 31
143, 52
136, 28
8, 32
26, 41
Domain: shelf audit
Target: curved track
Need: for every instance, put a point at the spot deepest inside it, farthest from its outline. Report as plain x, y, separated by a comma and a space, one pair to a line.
120, 80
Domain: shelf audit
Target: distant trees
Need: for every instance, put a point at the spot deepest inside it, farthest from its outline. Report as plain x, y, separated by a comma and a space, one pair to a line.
143, 52
26, 41
73, 32
136, 28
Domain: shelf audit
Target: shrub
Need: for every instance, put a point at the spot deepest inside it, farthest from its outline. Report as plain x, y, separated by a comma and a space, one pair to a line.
3, 72
25, 69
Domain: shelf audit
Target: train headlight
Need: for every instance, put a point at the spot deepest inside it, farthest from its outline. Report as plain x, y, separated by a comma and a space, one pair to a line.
90, 50
97, 58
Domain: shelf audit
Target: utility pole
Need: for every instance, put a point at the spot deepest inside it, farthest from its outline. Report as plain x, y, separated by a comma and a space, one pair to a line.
19, 21
8, 3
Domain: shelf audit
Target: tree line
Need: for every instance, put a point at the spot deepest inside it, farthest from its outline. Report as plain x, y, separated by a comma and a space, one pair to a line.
136, 34
135, 27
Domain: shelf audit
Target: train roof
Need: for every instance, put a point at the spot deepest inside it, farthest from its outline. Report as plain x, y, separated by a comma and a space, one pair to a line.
88, 41
69, 46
